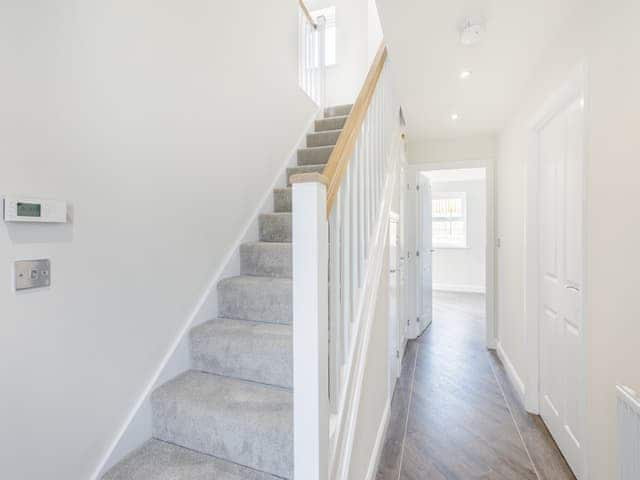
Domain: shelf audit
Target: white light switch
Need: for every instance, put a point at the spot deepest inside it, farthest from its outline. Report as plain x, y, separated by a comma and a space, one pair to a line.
32, 274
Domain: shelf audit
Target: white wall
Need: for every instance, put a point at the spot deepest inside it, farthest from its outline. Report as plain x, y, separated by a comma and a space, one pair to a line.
375, 35
445, 150
604, 37
463, 269
163, 127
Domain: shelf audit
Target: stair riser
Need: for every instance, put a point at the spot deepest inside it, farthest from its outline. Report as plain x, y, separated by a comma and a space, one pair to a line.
266, 259
335, 123
338, 110
314, 156
275, 228
282, 200
260, 302
321, 139
257, 352
254, 428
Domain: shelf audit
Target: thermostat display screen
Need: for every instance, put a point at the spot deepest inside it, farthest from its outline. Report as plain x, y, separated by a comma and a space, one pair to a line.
29, 209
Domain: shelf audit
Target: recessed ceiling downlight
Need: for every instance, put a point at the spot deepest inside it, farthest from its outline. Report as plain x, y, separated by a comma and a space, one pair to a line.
471, 31
465, 74
454, 116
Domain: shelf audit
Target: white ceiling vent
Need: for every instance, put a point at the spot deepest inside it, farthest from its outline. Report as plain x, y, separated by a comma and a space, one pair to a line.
471, 31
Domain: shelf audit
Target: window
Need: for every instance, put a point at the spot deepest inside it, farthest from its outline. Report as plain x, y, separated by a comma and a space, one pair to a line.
449, 212
329, 14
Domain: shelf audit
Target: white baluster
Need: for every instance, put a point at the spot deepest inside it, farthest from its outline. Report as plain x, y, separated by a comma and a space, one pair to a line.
374, 157
366, 184
353, 233
361, 206
346, 264
335, 306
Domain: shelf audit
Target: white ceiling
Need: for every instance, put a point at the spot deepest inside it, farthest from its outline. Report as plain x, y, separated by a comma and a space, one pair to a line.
422, 36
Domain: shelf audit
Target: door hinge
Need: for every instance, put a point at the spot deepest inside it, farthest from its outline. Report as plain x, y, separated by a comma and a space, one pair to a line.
417, 253
397, 353
408, 321
418, 187
417, 319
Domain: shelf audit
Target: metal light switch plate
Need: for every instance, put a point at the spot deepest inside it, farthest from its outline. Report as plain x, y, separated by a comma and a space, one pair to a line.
32, 274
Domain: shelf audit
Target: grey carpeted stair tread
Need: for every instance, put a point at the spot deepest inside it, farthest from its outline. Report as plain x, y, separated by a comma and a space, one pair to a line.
260, 299
331, 123
275, 227
314, 155
158, 460
282, 200
337, 110
266, 259
304, 169
256, 351
243, 422
319, 139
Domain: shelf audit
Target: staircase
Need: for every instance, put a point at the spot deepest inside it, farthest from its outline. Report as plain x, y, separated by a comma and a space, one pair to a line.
231, 416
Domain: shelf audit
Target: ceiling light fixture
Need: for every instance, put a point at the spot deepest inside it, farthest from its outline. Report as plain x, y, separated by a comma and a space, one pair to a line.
465, 74
454, 116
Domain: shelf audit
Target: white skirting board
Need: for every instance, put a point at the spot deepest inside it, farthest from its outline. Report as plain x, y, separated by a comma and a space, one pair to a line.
628, 433
514, 378
374, 464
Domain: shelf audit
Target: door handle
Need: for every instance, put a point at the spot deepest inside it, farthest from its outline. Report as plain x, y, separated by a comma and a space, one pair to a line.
571, 287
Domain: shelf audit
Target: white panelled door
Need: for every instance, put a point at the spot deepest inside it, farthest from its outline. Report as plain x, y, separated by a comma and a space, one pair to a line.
561, 255
425, 279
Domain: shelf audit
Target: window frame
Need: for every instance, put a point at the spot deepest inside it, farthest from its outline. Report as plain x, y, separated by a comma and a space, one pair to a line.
463, 218
323, 11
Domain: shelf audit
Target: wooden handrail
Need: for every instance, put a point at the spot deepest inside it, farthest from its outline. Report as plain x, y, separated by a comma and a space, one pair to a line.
338, 162
305, 10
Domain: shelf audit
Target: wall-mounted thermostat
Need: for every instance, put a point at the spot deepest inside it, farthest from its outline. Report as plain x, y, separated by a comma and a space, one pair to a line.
17, 209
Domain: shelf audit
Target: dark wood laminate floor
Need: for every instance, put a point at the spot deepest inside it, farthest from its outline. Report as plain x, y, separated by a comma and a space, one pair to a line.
454, 415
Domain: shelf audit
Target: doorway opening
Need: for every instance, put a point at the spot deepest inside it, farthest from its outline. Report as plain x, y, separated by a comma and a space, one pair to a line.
455, 240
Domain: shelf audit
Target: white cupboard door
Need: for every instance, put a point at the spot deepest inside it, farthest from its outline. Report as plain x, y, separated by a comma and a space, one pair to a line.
425, 303
560, 196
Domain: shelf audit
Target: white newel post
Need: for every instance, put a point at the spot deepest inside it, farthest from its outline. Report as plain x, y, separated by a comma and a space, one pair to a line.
310, 328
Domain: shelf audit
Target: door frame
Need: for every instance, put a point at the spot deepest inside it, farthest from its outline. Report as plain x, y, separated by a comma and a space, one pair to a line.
490, 254
420, 195
574, 87
396, 352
